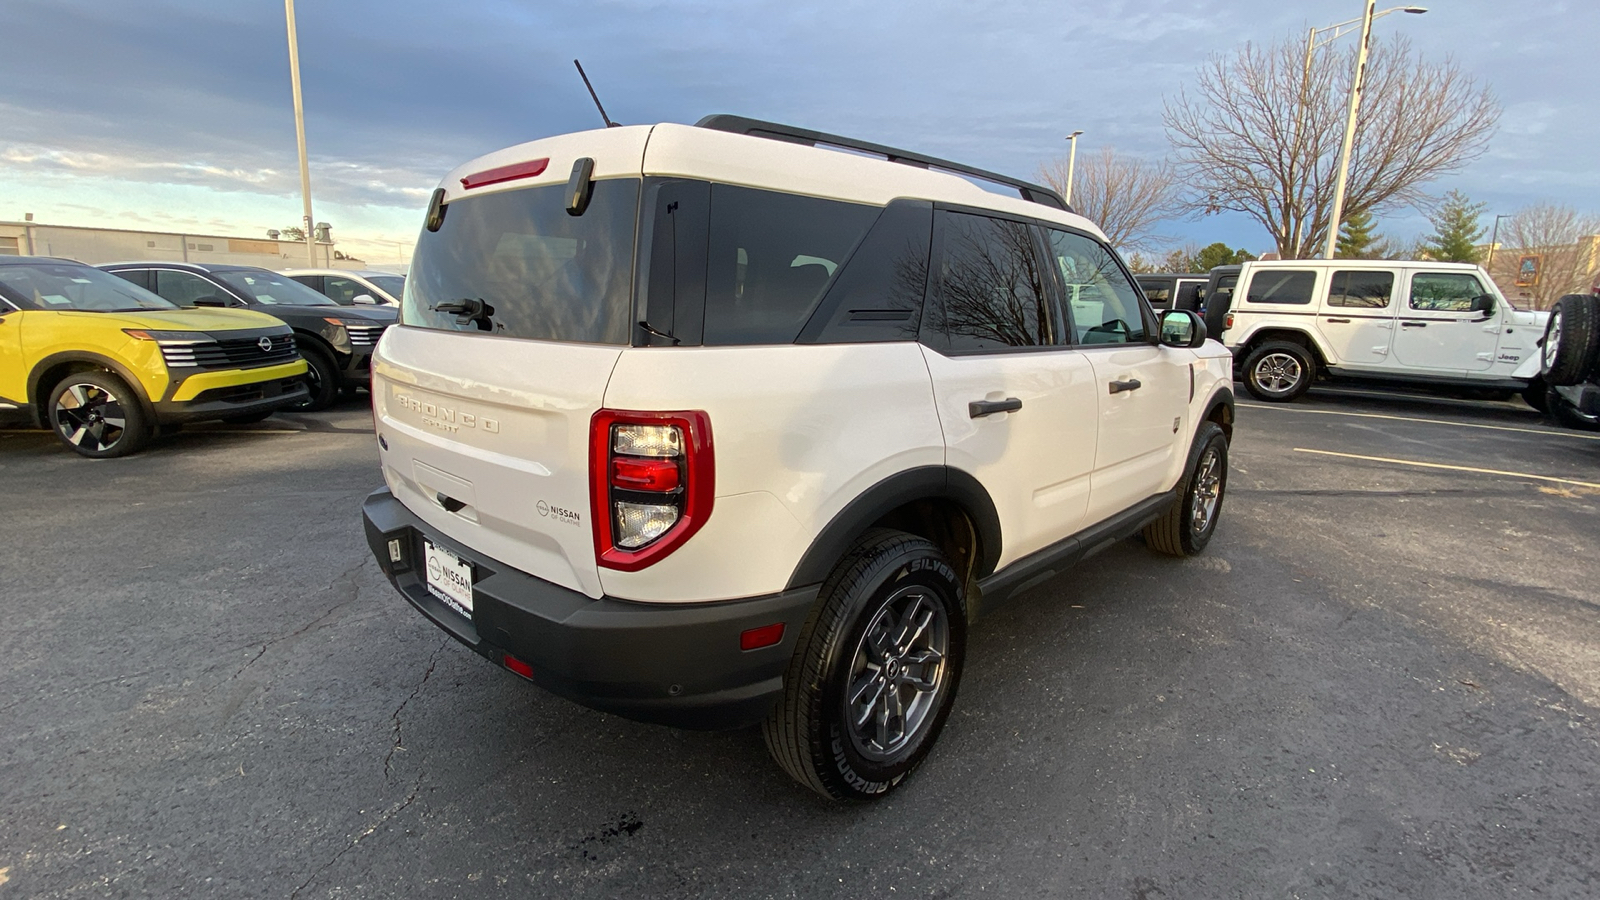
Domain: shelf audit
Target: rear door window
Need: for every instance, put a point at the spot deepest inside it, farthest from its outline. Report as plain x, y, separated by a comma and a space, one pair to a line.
539, 273
184, 288
991, 287
878, 295
1361, 290
1287, 286
770, 258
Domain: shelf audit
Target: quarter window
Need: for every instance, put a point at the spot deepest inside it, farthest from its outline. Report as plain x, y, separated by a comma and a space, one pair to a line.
770, 257
1101, 302
991, 294
1445, 291
1361, 290
1288, 286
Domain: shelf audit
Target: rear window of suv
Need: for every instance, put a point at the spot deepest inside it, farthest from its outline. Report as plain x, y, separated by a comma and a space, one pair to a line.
546, 275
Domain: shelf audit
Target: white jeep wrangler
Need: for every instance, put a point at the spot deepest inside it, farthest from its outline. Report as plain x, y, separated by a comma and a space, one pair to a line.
711, 426
1443, 326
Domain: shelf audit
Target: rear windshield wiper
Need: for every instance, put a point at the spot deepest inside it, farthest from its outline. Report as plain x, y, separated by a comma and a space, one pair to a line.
468, 310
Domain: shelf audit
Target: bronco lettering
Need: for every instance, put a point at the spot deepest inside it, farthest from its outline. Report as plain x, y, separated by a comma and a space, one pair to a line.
446, 418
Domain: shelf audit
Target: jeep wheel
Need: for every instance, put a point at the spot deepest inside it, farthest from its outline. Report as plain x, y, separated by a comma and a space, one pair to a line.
875, 670
1279, 371
1570, 338
1186, 528
98, 415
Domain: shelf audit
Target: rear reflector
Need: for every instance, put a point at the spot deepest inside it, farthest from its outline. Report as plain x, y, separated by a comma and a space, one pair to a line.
519, 667
765, 636
505, 173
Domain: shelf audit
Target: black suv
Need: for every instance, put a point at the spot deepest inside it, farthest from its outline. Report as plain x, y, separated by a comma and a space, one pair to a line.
335, 340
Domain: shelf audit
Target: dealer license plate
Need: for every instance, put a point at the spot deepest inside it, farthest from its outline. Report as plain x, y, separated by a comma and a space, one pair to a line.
449, 578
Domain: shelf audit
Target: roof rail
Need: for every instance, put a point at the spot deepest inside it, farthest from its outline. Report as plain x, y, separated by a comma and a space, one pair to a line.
1035, 193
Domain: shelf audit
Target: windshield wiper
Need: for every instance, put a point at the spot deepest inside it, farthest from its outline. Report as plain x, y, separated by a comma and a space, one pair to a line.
468, 310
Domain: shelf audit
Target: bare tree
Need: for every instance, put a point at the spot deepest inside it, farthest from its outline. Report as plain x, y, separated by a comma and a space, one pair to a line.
1258, 135
1124, 195
1566, 248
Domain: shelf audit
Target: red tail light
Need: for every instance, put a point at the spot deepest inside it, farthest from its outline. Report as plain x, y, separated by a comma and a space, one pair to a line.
1227, 321
652, 480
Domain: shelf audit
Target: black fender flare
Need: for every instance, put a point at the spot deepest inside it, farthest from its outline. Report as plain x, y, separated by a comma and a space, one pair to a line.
1223, 398
84, 356
921, 483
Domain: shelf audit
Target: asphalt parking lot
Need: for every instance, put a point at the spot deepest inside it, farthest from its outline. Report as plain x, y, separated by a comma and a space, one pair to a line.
1382, 680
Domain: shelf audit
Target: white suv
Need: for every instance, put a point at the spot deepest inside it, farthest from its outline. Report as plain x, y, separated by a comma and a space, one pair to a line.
1411, 322
711, 426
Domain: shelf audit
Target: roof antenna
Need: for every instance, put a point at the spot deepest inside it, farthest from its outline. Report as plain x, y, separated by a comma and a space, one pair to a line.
603, 116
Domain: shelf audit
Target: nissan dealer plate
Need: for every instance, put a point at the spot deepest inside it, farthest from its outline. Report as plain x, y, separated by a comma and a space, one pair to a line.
449, 578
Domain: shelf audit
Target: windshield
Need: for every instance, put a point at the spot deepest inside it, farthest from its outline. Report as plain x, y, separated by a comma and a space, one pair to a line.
272, 289
393, 285
515, 263
69, 286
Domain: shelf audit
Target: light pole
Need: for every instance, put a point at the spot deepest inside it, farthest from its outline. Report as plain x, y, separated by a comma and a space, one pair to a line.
300, 131
1494, 241
1072, 162
1356, 82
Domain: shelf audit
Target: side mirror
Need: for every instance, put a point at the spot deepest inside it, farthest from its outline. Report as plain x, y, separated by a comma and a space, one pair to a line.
1182, 328
364, 299
210, 300
1483, 303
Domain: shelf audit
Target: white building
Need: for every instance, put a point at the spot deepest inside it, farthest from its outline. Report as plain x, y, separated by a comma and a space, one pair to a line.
104, 245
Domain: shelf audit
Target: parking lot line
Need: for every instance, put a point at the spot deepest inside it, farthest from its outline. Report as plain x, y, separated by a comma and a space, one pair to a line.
1339, 412
1429, 465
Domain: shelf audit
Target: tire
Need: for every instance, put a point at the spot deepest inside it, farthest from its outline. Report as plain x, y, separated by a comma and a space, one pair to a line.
1186, 528
856, 639
1537, 395
248, 419
1570, 339
1569, 416
1279, 371
322, 378
1216, 316
97, 415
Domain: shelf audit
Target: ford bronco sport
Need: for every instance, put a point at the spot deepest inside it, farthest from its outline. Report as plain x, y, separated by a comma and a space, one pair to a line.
714, 426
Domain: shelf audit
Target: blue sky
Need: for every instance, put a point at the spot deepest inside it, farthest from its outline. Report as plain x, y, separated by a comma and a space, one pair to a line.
175, 114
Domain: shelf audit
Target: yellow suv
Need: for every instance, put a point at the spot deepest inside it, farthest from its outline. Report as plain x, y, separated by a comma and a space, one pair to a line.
103, 362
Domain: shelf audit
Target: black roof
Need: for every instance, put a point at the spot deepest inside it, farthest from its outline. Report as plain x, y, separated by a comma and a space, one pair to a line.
188, 266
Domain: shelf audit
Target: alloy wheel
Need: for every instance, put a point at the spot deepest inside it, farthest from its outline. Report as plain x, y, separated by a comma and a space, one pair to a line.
898, 674
1207, 490
90, 417
1278, 373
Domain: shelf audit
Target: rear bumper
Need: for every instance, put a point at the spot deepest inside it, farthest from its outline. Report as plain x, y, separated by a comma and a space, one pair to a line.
671, 664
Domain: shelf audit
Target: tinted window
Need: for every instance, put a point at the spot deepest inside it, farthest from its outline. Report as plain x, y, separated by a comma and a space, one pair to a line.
1445, 291
675, 294
67, 286
393, 285
1101, 302
184, 288
1157, 290
271, 289
878, 295
544, 274
769, 259
991, 294
1282, 286
1362, 290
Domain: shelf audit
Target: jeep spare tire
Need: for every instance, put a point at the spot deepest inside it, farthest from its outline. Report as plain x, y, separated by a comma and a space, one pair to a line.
1570, 339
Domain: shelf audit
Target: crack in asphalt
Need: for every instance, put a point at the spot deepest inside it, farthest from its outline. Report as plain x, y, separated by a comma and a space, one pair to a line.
391, 812
399, 742
352, 591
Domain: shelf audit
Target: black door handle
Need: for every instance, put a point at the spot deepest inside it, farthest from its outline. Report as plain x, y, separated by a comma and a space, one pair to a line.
977, 409
449, 503
1339, 321
1132, 384
1413, 324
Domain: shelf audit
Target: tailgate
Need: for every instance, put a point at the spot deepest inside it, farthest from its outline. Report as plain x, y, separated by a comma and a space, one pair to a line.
488, 442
